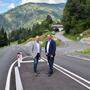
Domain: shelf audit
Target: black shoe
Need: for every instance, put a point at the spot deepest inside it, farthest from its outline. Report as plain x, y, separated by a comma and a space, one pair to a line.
49, 75
38, 72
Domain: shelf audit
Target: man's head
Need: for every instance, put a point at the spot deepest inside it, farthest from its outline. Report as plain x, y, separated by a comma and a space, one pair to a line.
49, 37
37, 38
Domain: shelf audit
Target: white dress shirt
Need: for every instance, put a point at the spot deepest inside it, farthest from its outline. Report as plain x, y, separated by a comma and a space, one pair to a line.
48, 44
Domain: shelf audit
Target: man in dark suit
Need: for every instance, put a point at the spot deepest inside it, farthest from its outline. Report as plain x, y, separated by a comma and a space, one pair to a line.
50, 49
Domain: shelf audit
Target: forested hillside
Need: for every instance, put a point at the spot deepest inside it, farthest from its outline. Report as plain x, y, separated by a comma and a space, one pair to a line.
76, 16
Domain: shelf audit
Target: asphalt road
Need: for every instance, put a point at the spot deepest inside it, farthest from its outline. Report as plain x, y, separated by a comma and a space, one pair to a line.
77, 66
58, 81
7, 57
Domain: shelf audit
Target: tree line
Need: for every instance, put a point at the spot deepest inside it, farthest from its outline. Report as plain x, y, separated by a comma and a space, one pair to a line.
76, 16
22, 34
3, 37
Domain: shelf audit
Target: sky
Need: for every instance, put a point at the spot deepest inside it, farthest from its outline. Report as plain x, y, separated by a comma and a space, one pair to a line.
6, 5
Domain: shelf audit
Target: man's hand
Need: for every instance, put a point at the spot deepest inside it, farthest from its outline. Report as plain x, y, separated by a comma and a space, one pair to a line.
46, 54
52, 56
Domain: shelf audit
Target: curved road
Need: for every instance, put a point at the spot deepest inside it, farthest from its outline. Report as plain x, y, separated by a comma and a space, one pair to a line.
7, 57
80, 67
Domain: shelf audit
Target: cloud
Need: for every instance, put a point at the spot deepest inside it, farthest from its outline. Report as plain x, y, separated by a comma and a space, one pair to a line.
51, 1
12, 5
6, 4
2, 4
60, 1
35, 1
45, 1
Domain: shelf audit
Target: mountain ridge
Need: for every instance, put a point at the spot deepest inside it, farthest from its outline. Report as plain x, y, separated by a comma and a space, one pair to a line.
25, 15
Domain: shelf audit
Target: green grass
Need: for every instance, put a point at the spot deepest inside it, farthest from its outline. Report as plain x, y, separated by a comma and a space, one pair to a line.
12, 43
86, 33
58, 42
86, 51
72, 37
43, 39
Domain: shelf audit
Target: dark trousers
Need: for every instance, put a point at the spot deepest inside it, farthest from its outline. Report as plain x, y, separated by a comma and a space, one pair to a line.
36, 62
51, 62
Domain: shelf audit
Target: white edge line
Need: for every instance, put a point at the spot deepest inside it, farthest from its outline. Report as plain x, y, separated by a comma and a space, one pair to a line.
31, 61
7, 87
69, 75
79, 57
73, 78
19, 85
72, 73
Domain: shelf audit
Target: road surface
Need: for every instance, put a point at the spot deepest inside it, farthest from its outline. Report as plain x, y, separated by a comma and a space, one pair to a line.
7, 57
77, 66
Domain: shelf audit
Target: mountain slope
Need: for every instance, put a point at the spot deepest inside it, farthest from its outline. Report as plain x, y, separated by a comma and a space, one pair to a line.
27, 14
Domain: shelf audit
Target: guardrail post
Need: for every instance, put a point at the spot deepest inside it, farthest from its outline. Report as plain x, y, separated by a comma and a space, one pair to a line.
19, 58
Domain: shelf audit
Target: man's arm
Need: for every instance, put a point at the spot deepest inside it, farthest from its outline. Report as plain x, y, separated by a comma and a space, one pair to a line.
54, 48
46, 47
32, 46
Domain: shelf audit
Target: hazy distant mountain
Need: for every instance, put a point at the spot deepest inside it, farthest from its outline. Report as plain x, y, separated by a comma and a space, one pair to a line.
27, 14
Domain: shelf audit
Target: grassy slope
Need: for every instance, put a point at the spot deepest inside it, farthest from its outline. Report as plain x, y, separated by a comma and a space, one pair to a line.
86, 34
43, 39
72, 37
87, 51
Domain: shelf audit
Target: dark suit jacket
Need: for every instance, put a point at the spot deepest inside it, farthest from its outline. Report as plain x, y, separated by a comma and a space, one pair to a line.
52, 48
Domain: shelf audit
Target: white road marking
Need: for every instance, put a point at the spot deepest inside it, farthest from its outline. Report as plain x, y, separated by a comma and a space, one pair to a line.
72, 73
19, 85
7, 87
64, 72
73, 78
31, 61
79, 57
